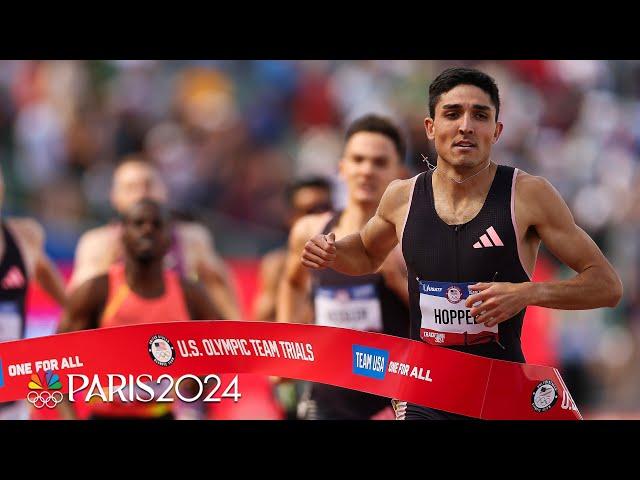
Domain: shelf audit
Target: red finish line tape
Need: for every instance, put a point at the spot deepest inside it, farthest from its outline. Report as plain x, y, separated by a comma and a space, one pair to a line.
384, 365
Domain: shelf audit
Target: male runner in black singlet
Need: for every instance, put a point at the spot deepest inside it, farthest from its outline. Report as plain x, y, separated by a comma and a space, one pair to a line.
373, 157
22, 257
472, 226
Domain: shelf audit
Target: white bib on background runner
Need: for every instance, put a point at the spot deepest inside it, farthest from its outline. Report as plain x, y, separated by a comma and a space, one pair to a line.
10, 322
445, 318
357, 307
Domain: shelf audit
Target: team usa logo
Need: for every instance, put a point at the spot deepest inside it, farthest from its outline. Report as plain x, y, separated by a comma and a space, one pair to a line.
545, 396
39, 395
161, 350
454, 294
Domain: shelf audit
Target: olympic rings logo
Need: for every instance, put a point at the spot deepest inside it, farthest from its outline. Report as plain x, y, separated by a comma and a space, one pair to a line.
44, 399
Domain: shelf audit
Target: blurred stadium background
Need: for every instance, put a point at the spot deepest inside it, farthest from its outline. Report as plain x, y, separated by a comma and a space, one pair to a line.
229, 135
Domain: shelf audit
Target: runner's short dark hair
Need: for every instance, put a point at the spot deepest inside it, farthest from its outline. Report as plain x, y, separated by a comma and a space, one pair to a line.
378, 124
452, 77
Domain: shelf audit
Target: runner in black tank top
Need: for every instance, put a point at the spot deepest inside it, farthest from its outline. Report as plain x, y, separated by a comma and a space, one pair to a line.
13, 289
379, 310
13, 292
490, 252
442, 259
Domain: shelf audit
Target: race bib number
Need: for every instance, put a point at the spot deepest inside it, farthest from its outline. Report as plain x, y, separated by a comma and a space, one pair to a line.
355, 307
10, 322
445, 318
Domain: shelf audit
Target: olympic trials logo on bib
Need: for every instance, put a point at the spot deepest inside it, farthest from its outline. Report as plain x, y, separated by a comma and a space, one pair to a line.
342, 296
454, 294
161, 350
545, 396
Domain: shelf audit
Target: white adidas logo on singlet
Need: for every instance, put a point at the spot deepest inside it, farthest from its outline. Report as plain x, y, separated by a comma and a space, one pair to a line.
485, 241
13, 279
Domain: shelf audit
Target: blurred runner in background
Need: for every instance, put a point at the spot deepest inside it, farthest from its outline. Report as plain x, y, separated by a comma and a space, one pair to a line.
139, 290
22, 258
192, 252
373, 157
304, 197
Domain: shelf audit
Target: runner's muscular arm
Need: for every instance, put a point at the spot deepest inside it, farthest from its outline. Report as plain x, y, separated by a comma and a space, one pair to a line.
200, 307
82, 312
199, 302
294, 285
271, 269
50, 279
364, 252
85, 305
394, 271
596, 284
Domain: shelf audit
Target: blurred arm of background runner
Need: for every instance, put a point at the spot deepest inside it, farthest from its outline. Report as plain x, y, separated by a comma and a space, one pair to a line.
305, 196
82, 313
271, 270
394, 271
544, 216
198, 301
293, 291
200, 307
364, 252
31, 238
211, 270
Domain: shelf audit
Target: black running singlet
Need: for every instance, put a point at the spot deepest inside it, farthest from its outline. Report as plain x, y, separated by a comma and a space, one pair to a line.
362, 303
13, 289
443, 260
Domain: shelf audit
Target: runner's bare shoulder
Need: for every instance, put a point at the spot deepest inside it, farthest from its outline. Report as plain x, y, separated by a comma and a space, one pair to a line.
309, 226
536, 197
27, 230
96, 250
194, 234
531, 185
395, 200
100, 237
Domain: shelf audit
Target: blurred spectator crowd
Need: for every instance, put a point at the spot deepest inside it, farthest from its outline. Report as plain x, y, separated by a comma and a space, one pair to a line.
229, 135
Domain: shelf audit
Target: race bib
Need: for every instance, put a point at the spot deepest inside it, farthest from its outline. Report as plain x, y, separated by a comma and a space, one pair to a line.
355, 307
445, 318
10, 322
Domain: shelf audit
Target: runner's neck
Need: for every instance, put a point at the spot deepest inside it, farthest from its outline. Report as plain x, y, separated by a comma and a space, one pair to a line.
474, 185
146, 281
354, 217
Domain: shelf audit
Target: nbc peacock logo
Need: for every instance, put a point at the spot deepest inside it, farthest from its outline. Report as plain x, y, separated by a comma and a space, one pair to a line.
39, 395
